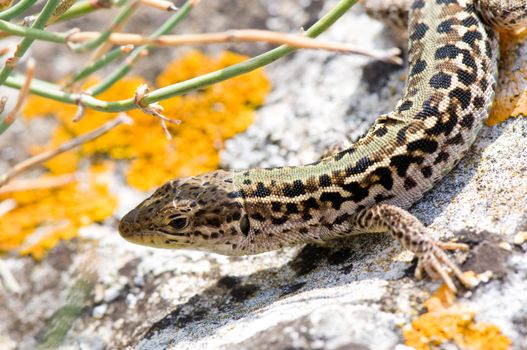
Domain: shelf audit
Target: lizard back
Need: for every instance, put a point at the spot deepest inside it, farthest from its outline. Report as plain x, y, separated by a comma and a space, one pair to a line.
449, 90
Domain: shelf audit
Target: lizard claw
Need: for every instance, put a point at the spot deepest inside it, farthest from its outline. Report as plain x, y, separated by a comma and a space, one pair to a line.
438, 265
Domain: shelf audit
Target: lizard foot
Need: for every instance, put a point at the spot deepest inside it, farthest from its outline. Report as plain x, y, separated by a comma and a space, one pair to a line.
413, 235
438, 265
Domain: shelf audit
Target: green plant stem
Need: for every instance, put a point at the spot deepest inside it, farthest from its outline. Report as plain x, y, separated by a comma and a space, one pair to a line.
45, 89
126, 66
32, 33
17, 9
121, 17
25, 43
98, 64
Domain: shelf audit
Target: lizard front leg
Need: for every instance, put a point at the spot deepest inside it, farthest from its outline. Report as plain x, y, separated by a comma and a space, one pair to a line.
412, 235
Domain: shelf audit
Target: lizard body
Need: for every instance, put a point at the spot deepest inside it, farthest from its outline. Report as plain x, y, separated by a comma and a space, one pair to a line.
367, 186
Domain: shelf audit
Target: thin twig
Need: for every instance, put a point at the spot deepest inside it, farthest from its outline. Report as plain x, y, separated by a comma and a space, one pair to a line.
84, 39
24, 92
160, 4
39, 183
45, 156
244, 35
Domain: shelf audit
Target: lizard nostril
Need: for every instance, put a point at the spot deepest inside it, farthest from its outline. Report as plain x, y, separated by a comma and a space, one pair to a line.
127, 223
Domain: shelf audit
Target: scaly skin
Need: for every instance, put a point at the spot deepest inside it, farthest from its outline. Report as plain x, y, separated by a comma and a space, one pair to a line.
366, 187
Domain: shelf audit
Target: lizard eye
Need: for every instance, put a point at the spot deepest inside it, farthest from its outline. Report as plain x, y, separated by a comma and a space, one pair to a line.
179, 222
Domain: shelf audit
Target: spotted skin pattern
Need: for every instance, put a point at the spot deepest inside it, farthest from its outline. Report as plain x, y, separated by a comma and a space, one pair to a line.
367, 186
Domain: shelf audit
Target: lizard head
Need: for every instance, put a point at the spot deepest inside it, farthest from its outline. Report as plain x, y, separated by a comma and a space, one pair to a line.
201, 212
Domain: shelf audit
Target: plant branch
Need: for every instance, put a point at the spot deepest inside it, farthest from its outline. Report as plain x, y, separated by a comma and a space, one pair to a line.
17, 9
45, 89
250, 35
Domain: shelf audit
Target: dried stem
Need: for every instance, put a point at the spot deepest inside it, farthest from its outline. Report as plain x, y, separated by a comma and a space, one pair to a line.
22, 97
251, 35
160, 4
87, 39
39, 183
45, 156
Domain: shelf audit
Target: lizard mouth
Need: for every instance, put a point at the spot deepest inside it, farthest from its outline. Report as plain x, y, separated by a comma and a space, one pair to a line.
132, 229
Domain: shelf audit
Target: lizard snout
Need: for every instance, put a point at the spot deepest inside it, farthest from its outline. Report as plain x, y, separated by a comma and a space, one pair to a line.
127, 225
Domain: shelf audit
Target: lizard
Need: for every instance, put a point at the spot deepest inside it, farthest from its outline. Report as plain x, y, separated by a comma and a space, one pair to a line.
369, 185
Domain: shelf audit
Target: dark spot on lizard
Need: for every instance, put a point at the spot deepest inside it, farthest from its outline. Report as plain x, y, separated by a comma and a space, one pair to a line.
291, 208
324, 180
280, 220
294, 190
334, 198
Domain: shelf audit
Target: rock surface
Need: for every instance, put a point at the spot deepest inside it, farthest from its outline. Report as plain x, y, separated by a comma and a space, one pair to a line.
355, 296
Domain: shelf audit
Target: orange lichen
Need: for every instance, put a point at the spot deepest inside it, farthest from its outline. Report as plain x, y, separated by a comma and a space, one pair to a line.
449, 322
43, 217
511, 91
